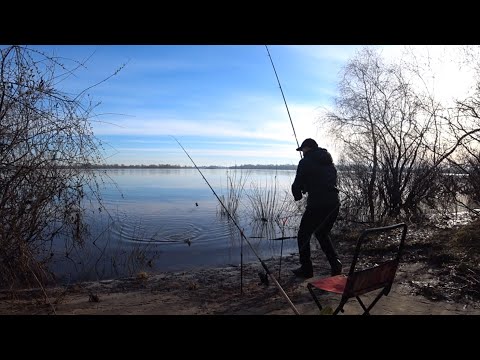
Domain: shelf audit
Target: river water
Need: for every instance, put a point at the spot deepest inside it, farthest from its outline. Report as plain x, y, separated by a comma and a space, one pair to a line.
170, 220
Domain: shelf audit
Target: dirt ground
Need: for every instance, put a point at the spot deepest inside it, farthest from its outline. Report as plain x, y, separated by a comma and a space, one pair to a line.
438, 275
217, 291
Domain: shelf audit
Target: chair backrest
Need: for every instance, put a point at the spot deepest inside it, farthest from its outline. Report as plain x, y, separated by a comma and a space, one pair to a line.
378, 275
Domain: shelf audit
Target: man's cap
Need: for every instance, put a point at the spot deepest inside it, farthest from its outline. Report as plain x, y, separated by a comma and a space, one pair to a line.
308, 143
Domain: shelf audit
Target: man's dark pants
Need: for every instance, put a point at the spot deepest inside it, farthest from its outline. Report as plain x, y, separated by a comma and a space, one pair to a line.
318, 220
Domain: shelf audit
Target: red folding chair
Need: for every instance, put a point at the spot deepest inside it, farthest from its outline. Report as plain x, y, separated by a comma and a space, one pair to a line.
359, 282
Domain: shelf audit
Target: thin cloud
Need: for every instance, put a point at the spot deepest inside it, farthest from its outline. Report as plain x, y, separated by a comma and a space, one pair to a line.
269, 120
337, 53
223, 100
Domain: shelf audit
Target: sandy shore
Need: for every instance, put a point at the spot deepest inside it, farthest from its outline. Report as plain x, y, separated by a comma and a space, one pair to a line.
217, 292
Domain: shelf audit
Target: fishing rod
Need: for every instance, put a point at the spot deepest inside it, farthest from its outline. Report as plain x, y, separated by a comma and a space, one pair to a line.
243, 235
278, 238
294, 133
284, 100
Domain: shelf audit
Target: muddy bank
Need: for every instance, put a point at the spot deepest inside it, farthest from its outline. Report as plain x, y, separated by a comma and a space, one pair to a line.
217, 292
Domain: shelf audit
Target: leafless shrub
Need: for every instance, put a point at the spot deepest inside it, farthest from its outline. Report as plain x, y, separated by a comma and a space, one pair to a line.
46, 145
396, 139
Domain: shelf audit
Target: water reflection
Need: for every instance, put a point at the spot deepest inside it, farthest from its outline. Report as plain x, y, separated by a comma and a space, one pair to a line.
168, 220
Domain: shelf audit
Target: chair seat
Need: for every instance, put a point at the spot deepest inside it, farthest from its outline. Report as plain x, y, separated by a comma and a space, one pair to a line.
335, 284
358, 282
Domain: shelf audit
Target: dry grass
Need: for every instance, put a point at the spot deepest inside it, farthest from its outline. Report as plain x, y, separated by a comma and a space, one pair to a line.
236, 180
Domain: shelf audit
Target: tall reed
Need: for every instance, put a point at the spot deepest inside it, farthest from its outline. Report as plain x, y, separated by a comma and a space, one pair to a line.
273, 210
235, 187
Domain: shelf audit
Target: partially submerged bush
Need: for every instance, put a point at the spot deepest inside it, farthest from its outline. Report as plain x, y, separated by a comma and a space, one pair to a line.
46, 140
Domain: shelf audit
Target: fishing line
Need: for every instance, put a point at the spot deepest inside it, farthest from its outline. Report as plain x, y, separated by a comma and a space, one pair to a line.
285, 101
242, 234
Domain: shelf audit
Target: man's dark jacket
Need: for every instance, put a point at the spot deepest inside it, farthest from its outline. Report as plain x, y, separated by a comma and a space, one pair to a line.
317, 176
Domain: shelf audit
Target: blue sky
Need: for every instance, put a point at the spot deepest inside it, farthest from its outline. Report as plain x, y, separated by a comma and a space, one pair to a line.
222, 102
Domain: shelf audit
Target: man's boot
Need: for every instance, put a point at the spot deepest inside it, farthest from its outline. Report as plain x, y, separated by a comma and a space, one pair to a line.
304, 272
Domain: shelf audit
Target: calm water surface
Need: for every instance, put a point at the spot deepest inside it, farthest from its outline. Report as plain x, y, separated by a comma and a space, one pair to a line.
169, 220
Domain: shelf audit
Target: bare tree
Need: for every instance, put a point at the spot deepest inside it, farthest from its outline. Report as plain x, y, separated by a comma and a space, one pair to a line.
357, 111
395, 135
46, 140
468, 160
460, 124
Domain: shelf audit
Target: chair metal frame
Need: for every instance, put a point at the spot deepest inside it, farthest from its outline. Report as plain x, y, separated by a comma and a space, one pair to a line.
359, 282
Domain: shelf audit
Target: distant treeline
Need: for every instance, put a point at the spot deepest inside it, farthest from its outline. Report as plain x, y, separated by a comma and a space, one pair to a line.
444, 169
340, 167
170, 166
